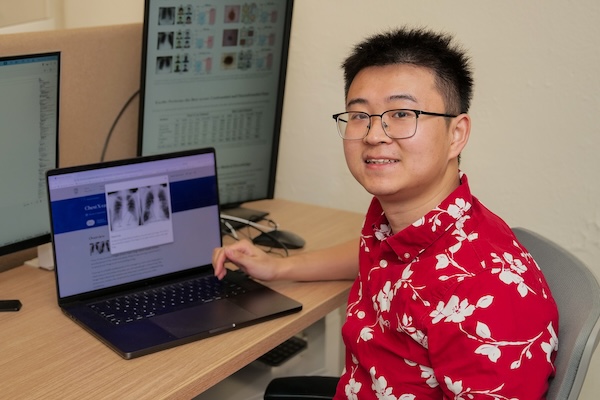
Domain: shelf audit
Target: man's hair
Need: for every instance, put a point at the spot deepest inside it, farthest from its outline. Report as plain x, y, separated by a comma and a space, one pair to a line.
421, 48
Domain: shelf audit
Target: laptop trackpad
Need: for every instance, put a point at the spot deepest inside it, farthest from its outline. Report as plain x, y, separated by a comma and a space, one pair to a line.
206, 318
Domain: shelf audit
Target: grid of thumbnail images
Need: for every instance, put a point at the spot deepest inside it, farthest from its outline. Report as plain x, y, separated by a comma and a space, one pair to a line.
209, 39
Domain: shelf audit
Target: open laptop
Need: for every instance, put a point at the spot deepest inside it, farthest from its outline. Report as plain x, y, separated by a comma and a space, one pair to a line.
122, 230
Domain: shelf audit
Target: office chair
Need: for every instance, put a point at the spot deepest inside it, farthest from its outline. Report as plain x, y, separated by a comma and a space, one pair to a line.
577, 294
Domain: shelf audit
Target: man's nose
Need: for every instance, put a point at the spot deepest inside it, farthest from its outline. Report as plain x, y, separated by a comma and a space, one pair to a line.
376, 133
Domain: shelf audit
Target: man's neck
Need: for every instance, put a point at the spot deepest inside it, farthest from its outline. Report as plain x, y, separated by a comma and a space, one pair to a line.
402, 213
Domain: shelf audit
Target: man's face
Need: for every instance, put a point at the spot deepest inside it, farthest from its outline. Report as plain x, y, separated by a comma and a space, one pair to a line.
415, 170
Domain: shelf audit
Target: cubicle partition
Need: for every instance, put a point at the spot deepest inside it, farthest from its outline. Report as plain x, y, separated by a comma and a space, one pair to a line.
100, 71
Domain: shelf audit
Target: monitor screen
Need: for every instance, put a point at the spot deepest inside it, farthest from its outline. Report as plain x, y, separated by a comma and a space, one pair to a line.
213, 75
29, 103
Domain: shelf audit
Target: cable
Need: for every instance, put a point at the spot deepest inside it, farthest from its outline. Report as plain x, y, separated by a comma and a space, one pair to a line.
230, 229
112, 128
261, 228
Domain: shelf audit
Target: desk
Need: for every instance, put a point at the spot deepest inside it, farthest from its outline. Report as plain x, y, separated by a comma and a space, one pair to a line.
43, 354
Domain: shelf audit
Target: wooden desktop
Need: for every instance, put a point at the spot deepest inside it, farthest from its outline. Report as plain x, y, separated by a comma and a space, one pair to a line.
45, 355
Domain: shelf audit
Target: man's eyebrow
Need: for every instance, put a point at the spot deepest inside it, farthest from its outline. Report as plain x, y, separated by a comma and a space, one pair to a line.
394, 97
403, 96
356, 101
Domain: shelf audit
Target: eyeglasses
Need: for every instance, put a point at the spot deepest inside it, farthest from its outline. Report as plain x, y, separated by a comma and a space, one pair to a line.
397, 124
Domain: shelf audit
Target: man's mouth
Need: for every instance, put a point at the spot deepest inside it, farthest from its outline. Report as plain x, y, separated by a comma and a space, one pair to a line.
380, 161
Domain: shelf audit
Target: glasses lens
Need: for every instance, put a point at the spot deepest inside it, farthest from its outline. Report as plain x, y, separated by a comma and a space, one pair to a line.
399, 124
353, 125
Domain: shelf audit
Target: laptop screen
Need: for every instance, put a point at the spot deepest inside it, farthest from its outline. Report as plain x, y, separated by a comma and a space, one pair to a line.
120, 222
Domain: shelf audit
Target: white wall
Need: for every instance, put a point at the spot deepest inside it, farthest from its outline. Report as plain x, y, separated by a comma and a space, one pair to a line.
533, 155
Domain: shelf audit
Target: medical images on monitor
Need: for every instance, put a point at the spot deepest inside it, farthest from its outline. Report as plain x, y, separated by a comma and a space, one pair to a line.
134, 207
139, 214
191, 39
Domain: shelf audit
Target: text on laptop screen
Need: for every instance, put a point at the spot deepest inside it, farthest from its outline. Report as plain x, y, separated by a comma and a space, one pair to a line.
124, 223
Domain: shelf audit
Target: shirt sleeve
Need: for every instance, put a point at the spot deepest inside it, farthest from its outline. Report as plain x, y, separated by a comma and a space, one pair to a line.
494, 337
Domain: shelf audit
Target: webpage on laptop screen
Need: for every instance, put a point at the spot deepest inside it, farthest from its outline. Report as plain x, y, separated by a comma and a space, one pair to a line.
122, 224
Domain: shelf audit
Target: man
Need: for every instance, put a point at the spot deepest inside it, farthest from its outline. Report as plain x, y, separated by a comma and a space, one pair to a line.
446, 303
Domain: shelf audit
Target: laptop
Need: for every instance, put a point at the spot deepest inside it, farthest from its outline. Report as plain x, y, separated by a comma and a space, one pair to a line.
133, 242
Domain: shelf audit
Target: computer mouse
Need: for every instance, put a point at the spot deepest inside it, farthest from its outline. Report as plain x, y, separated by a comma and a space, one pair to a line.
279, 239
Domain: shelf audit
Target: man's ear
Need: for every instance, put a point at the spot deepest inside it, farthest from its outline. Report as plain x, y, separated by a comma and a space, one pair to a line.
461, 130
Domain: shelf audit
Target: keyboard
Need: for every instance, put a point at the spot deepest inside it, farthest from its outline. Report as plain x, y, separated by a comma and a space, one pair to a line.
283, 352
156, 301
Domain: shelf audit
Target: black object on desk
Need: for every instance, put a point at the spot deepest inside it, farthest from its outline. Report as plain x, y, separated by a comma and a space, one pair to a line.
279, 239
10, 305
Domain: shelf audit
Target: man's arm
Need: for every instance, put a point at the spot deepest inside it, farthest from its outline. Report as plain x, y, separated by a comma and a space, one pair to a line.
333, 263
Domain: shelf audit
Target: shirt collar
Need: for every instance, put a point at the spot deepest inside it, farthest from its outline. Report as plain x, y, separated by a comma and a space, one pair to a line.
414, 239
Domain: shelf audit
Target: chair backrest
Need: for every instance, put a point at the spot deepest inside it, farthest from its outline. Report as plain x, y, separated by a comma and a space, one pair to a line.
577, 295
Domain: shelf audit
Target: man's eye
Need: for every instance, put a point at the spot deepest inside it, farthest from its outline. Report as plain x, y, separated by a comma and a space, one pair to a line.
358, 116
399, 114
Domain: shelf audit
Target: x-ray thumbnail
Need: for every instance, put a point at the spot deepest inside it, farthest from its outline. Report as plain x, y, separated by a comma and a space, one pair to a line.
165, 40
123, 209
164, 65
155, 204
166, 15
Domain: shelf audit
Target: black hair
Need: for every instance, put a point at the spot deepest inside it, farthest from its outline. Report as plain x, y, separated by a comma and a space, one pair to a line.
422, 48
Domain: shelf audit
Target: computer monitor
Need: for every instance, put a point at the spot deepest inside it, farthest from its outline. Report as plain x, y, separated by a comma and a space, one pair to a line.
213, 75
29, 104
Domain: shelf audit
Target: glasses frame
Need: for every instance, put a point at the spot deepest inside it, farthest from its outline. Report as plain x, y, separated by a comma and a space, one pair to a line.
417, 113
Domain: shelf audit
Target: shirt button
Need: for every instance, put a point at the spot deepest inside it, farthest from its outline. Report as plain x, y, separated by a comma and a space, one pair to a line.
406, 255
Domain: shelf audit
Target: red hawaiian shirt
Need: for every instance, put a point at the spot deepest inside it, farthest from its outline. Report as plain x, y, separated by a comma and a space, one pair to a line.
452, 307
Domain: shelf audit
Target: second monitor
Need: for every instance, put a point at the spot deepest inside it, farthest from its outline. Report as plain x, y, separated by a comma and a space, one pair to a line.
213, 75
29, 108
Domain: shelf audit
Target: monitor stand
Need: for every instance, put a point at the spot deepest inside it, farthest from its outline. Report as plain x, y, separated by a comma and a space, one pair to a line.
45, 258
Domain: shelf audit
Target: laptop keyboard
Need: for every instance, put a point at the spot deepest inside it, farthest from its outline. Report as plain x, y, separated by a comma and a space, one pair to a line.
151, 302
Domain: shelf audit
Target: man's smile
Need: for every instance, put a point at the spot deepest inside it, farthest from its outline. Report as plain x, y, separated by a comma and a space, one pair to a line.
381, 161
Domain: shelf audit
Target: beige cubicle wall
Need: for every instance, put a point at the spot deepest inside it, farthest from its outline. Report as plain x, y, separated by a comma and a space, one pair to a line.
100, 71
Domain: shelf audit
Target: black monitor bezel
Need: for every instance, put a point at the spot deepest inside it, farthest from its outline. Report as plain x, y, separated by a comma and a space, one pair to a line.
279, 103
24, 244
